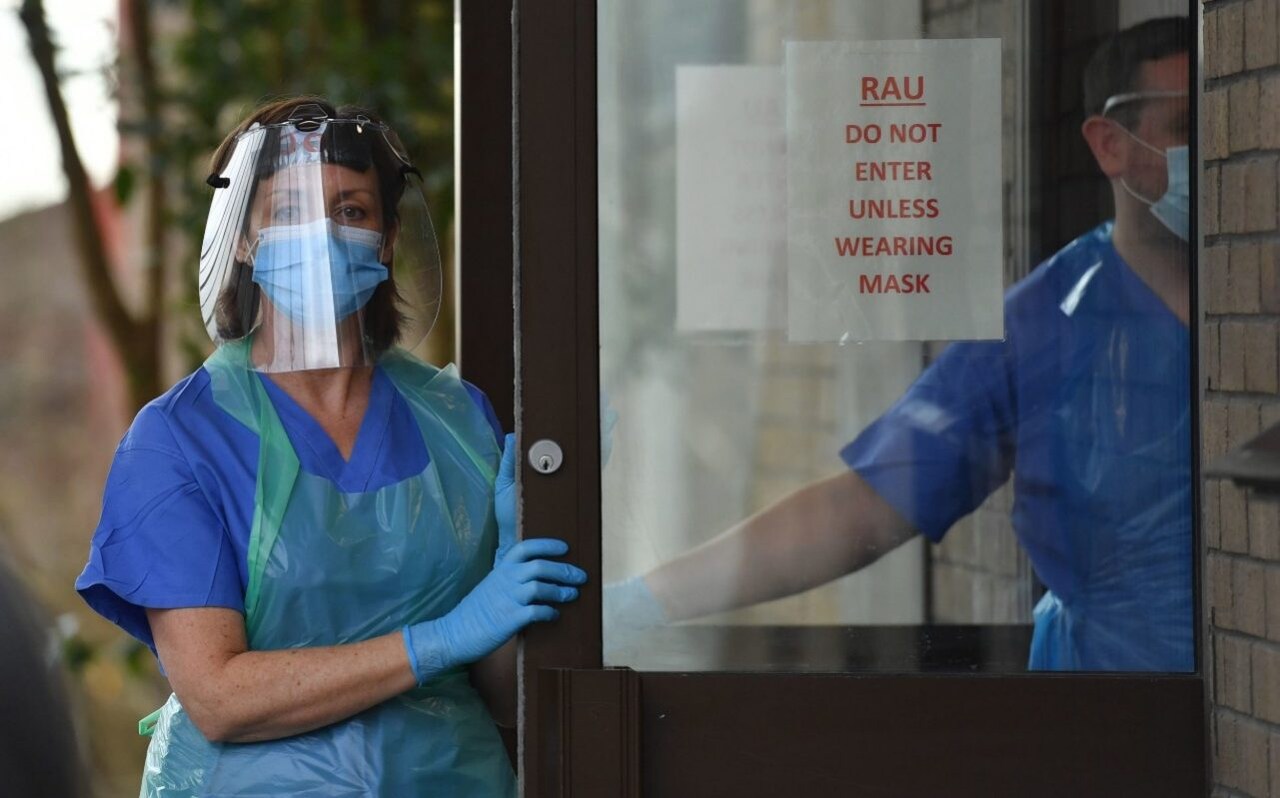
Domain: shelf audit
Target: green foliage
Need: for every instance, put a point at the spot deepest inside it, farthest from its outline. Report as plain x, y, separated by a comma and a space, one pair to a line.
136, 658
76, 653
393, 56
125, 183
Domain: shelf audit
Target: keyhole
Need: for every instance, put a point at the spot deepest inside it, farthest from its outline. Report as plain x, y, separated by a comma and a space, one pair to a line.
545, 457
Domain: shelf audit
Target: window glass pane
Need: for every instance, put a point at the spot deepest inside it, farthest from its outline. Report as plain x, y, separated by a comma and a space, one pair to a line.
894, 351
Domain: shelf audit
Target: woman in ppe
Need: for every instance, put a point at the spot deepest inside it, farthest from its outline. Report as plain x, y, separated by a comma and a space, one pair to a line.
305, 530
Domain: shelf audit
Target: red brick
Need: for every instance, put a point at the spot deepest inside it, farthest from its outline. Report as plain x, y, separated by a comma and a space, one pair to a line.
1235, 518
1253, 739
1223, 733
1217, 278
1243, 422
1260, 34
1273, 602
1266, 682
1269, 108
1242, 756
1269, 278
1221, 607
1230, 25
1231, 356
1249, 602
1264, 527
1226, 762
1212, 509
1209, 192
1275, 763
1243, 280
1211, 347
1231, 204
1260, 188
1215, 127
1232, 672
1261, 365
1242, 108
1212, 59
1213, 429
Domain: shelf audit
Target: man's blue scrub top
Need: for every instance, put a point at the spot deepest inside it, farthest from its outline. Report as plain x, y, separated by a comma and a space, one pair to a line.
178, 505
1087, 403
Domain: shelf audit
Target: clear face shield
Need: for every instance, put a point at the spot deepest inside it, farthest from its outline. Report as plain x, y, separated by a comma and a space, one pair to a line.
319, 248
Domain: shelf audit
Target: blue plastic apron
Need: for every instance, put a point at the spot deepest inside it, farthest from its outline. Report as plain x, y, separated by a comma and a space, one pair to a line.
1117, 452
327, 568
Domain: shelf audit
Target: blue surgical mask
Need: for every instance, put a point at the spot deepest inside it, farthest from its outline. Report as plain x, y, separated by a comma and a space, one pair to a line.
1173, 208
318, 271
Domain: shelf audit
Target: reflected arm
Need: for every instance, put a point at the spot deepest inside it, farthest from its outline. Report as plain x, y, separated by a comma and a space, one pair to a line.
818, 533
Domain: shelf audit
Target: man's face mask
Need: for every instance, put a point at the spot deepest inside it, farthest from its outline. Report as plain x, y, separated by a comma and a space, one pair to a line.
1173, 208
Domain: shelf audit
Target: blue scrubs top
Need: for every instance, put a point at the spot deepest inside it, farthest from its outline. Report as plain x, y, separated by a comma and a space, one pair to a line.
177, 509
1087, 403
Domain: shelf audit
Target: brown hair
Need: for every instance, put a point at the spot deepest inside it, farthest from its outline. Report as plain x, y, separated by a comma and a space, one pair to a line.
1113, 68
237, 306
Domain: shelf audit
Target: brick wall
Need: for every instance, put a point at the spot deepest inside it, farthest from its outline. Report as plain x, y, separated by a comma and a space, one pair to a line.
1240, 372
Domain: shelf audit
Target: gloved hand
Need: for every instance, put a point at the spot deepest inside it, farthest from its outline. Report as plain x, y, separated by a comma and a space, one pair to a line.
630, 609
516, 593
630, 606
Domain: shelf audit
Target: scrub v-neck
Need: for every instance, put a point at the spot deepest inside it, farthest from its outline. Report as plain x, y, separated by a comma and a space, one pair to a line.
1143, 297
318, 454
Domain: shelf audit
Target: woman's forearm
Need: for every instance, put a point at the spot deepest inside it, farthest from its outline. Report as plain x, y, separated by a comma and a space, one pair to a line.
265, 695
233, 694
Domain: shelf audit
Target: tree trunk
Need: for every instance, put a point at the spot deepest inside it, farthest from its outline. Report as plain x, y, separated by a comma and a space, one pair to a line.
135, 340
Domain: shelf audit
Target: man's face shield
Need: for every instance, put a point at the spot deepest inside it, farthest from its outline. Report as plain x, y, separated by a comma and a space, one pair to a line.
1161, 118
319, 246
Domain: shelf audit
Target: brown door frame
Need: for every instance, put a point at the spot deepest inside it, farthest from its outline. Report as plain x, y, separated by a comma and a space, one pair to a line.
557, 371
586, 731
485, 304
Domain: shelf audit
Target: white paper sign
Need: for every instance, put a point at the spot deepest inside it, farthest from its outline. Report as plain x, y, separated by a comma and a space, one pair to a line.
894, 223
730, 199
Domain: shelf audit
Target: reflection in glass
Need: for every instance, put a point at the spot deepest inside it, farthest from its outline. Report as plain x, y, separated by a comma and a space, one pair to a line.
965, 505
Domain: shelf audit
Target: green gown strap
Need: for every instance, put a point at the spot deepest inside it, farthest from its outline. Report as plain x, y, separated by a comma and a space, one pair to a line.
238, 390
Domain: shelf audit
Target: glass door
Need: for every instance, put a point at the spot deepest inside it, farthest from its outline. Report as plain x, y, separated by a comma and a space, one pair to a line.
873, 464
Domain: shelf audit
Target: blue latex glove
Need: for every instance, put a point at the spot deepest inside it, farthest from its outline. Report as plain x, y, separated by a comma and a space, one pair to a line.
516, 593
